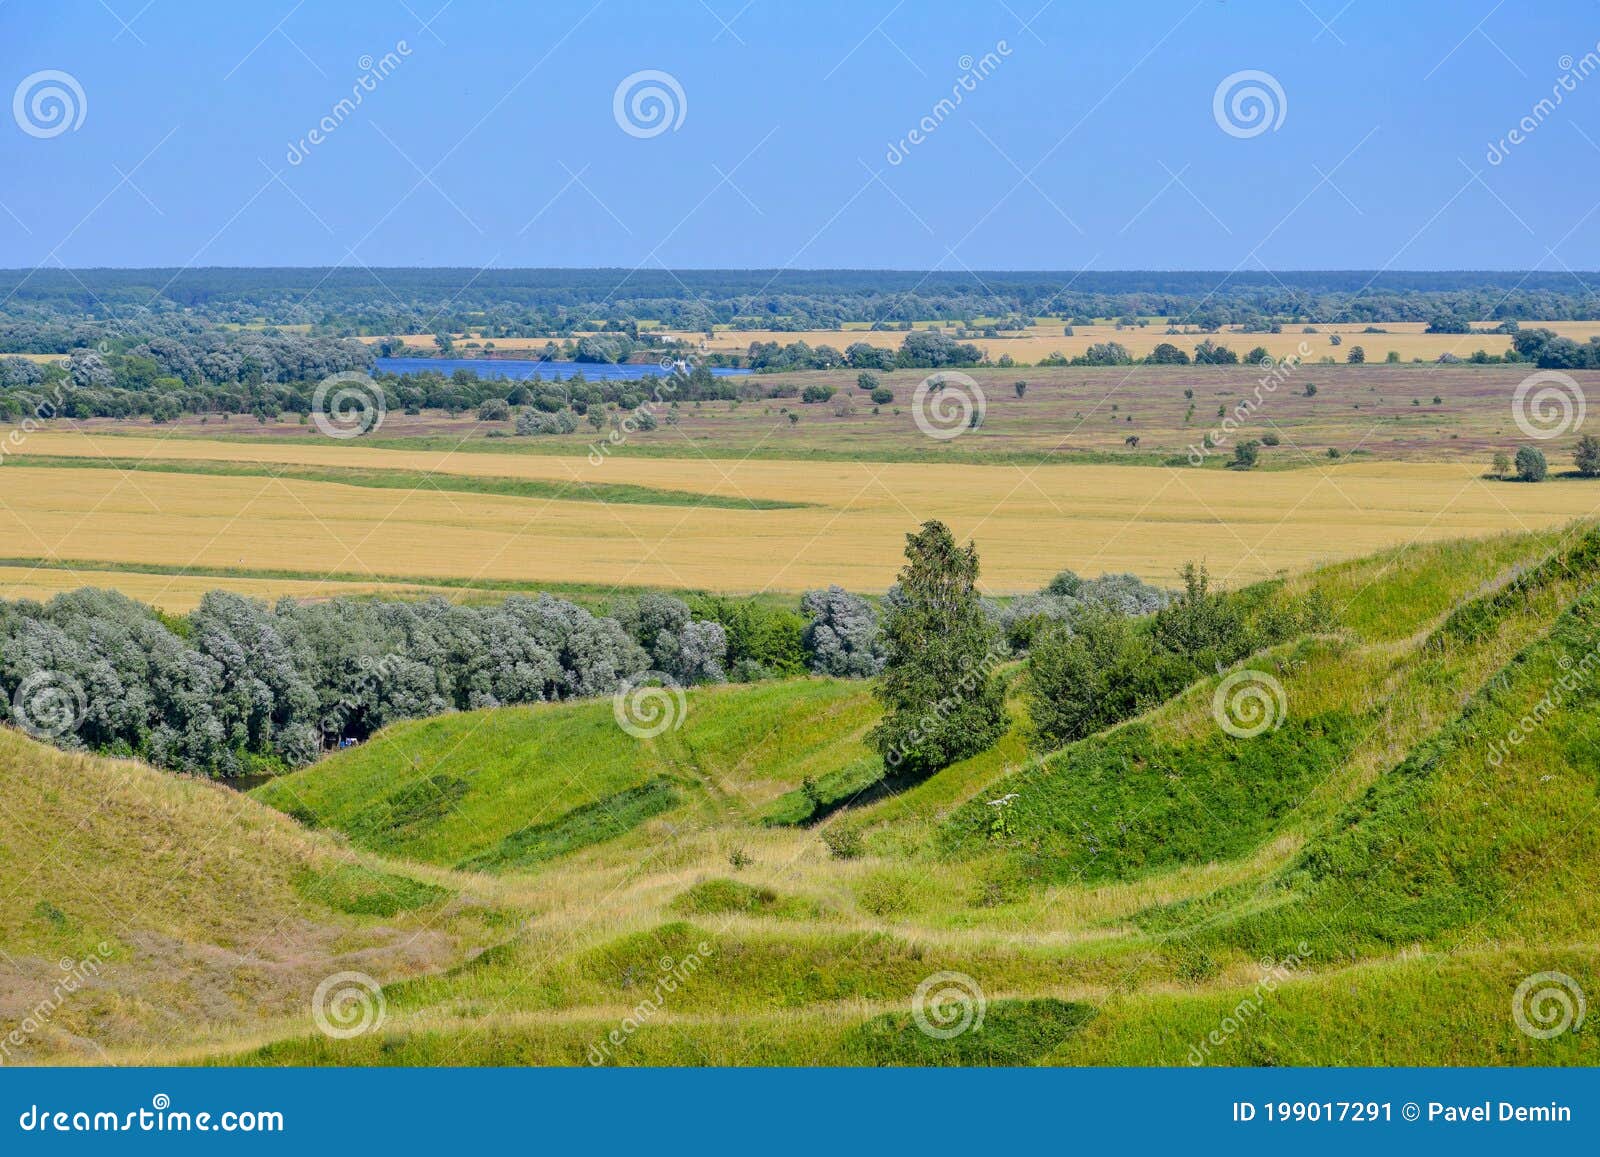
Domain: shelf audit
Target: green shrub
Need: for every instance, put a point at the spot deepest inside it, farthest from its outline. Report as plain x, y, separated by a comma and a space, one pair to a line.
1531, 465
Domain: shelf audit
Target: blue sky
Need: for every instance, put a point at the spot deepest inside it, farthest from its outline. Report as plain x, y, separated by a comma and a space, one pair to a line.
1092, 140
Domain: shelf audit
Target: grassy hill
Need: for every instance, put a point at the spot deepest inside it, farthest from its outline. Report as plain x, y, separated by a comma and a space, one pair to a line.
1368, 881
145, 912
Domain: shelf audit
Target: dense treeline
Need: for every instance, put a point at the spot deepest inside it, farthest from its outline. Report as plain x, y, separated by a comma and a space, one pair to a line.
217, 371
541, 302
240, 686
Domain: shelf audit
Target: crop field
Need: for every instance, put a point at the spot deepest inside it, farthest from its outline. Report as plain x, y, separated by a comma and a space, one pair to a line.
239, 510
1033, 344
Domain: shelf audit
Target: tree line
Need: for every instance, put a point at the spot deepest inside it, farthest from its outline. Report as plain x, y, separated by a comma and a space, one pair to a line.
240, 686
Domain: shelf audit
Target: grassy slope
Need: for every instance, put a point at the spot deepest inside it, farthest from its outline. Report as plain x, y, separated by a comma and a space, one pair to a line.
506, 788
216, 915
1368, 835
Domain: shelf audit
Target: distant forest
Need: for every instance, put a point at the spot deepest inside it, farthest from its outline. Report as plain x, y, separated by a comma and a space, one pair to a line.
539, 302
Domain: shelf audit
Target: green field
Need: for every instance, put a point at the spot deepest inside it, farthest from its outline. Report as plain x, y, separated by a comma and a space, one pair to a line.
1359, 885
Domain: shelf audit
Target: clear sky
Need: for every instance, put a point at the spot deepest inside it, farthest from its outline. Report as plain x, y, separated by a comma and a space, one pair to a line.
1086, 136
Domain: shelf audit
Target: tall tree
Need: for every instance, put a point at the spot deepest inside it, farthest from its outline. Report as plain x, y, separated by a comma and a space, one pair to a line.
1587, 456
942, 700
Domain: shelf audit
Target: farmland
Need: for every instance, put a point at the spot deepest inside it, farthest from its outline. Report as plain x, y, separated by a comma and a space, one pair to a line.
413, 652
1032, 344
841, 521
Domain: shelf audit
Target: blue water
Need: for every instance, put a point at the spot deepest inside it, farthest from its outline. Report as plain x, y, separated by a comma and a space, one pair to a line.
522, 370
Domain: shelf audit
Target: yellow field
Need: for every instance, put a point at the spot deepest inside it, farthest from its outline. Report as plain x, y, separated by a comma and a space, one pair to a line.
1029, 346
1029, 522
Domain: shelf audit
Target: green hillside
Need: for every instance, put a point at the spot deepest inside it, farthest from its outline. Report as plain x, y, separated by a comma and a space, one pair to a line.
1365, 881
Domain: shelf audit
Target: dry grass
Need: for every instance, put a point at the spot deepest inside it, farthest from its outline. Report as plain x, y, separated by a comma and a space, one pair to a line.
200, 911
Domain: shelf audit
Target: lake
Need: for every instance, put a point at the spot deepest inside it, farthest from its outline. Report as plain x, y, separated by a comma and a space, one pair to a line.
524, 369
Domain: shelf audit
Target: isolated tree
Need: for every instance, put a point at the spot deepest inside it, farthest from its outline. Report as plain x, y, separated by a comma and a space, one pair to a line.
1311, 389
1020, 387
1531, 464
866, 381
1356, 356
1502, 464
941, 698
1587, 456
1246, 455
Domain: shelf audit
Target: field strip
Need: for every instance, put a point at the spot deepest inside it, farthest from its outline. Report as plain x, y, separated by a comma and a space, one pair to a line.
1028, 523
386, 478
